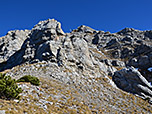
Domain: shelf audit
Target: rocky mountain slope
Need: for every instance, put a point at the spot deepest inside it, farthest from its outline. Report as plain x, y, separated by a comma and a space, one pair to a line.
85, 71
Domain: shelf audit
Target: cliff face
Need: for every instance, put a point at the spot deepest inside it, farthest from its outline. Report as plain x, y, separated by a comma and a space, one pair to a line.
82, 71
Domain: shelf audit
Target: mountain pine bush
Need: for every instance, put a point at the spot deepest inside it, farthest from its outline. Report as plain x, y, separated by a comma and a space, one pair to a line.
28, 78
8, 88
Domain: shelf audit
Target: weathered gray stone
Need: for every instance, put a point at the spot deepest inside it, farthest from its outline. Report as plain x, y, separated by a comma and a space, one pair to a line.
109, 70
44, 50
81, 51
51, 24
11, 43
130, 80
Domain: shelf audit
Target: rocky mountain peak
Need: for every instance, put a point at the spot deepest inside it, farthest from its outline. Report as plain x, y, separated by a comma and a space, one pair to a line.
51, 25
96, 64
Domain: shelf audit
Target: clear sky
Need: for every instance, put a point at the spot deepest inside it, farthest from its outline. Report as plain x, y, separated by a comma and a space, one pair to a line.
107, 15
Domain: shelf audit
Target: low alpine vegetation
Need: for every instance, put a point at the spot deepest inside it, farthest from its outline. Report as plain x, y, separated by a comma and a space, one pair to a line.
28, 78
8, 88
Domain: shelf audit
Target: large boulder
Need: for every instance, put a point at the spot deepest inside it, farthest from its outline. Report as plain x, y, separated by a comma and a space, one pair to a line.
131, 80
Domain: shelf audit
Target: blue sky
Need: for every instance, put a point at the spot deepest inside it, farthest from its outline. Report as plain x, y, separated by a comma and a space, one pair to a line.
107, 15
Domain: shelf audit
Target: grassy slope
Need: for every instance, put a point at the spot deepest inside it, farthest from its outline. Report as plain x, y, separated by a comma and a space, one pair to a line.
68, 99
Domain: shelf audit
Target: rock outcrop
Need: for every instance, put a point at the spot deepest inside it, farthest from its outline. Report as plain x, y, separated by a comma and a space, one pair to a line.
131, 80
11, 43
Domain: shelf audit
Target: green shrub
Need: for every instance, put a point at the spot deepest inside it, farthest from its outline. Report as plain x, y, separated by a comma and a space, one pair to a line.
28, 78
8, 88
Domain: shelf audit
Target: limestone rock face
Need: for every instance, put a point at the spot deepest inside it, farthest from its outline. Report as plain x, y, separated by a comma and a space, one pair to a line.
11, 43
36, 46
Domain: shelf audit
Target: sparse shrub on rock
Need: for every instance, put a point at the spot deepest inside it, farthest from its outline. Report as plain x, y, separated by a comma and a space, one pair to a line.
28, 78
8, 88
